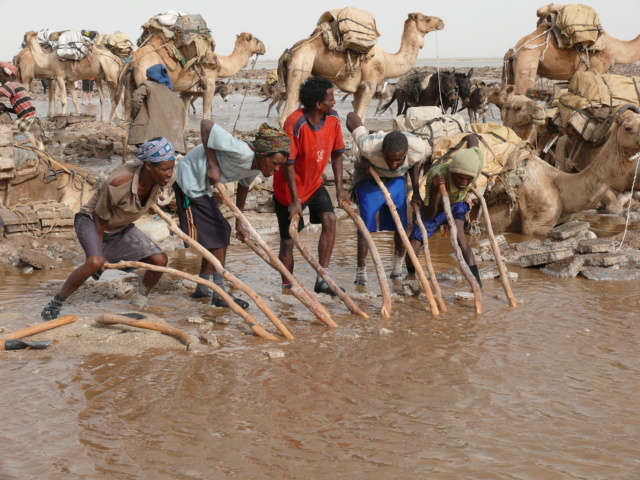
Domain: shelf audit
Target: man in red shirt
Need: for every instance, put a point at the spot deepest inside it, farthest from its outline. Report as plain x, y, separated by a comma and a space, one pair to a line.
316, 136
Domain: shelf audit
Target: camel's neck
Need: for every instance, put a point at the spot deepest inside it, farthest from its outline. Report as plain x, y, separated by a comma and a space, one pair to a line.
232, 64
584, 190
40, 58
623, 52
402, 61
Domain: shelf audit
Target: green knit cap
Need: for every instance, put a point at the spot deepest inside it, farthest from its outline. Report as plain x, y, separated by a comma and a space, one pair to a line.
467, 161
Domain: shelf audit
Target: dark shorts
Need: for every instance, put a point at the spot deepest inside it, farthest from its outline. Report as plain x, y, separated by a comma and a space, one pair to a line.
129, 244
318, 203
459, 211
371, 200
203, 220
87, 85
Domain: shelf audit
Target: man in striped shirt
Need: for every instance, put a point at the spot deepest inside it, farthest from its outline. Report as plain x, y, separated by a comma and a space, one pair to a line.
21, 103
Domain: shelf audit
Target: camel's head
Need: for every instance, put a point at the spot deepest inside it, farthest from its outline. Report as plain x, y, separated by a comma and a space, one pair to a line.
628, 136
500, 95
425, 24
29, 35
256, 47
521, 111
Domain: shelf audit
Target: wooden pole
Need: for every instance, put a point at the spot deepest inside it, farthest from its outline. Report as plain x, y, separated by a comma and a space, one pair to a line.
427, 259
42, 327
113, 319
173, 227
477, 293
297, 289
385, 311
504, 275
407, 245
248, 319
293, 231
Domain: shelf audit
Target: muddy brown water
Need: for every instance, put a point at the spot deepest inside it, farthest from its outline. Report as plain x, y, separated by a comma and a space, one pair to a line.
548, 390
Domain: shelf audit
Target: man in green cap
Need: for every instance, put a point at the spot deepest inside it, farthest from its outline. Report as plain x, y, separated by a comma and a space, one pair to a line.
458, 177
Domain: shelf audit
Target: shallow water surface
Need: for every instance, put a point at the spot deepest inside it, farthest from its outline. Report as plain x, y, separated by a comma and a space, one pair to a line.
549, 390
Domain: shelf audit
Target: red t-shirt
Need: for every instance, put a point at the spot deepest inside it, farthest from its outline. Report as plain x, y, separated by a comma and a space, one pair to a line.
311, 150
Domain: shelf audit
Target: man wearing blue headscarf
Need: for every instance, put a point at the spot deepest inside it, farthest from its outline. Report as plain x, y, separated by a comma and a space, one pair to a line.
105, 228
157, 111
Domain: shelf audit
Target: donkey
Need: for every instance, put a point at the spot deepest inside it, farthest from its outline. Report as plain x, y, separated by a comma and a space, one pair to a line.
222, 89
479, 102
418, 89
463, 88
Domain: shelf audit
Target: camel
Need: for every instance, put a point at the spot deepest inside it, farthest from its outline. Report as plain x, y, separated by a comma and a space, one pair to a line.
538, 54
100, 64
500, 95
521, 114
312, 57
28, 70
547, 196
189, 81
574, 155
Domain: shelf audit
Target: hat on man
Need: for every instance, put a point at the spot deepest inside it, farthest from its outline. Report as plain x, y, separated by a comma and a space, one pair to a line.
467, 161
156, 150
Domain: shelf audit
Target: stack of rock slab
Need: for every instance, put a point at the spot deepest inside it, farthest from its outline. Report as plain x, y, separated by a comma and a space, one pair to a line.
572, 250
37, 219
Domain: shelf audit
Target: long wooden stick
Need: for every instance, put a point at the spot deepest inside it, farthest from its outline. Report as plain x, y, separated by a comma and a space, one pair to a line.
405, 241
385, 311
173, 227
504, 275
293, 231
427, 260
297, 289
42, 327
477, 293
251, 322
113, 319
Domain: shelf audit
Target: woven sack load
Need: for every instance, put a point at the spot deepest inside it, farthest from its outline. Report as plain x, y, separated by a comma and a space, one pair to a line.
349, 29
430, 124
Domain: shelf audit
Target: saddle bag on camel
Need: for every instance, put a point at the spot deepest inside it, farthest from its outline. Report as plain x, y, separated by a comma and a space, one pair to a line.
430, 124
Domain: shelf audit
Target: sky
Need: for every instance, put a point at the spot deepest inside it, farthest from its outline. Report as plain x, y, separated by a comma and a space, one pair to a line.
473, 29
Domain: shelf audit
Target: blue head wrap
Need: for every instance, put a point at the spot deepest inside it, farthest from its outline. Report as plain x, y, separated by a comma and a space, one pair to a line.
158, 73
158, 150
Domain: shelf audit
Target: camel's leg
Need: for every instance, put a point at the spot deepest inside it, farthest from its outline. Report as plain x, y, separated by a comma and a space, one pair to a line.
186, 100
362, 98
103, 109
207, 101
62, 91
52, 99
74, 96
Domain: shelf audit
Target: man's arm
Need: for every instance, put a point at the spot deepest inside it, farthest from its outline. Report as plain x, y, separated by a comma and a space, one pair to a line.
137, 99
290, 177
434, 196
213, 169
336, 165
353, 121
414, 174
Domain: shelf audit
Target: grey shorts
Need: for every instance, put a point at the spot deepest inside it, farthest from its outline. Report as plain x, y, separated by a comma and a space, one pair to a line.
129, 244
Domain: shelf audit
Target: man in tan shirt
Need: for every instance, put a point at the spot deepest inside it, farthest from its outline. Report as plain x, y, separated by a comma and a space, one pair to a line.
105, 228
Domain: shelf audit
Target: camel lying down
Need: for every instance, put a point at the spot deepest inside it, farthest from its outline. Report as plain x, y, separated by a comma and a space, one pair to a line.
546, 196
